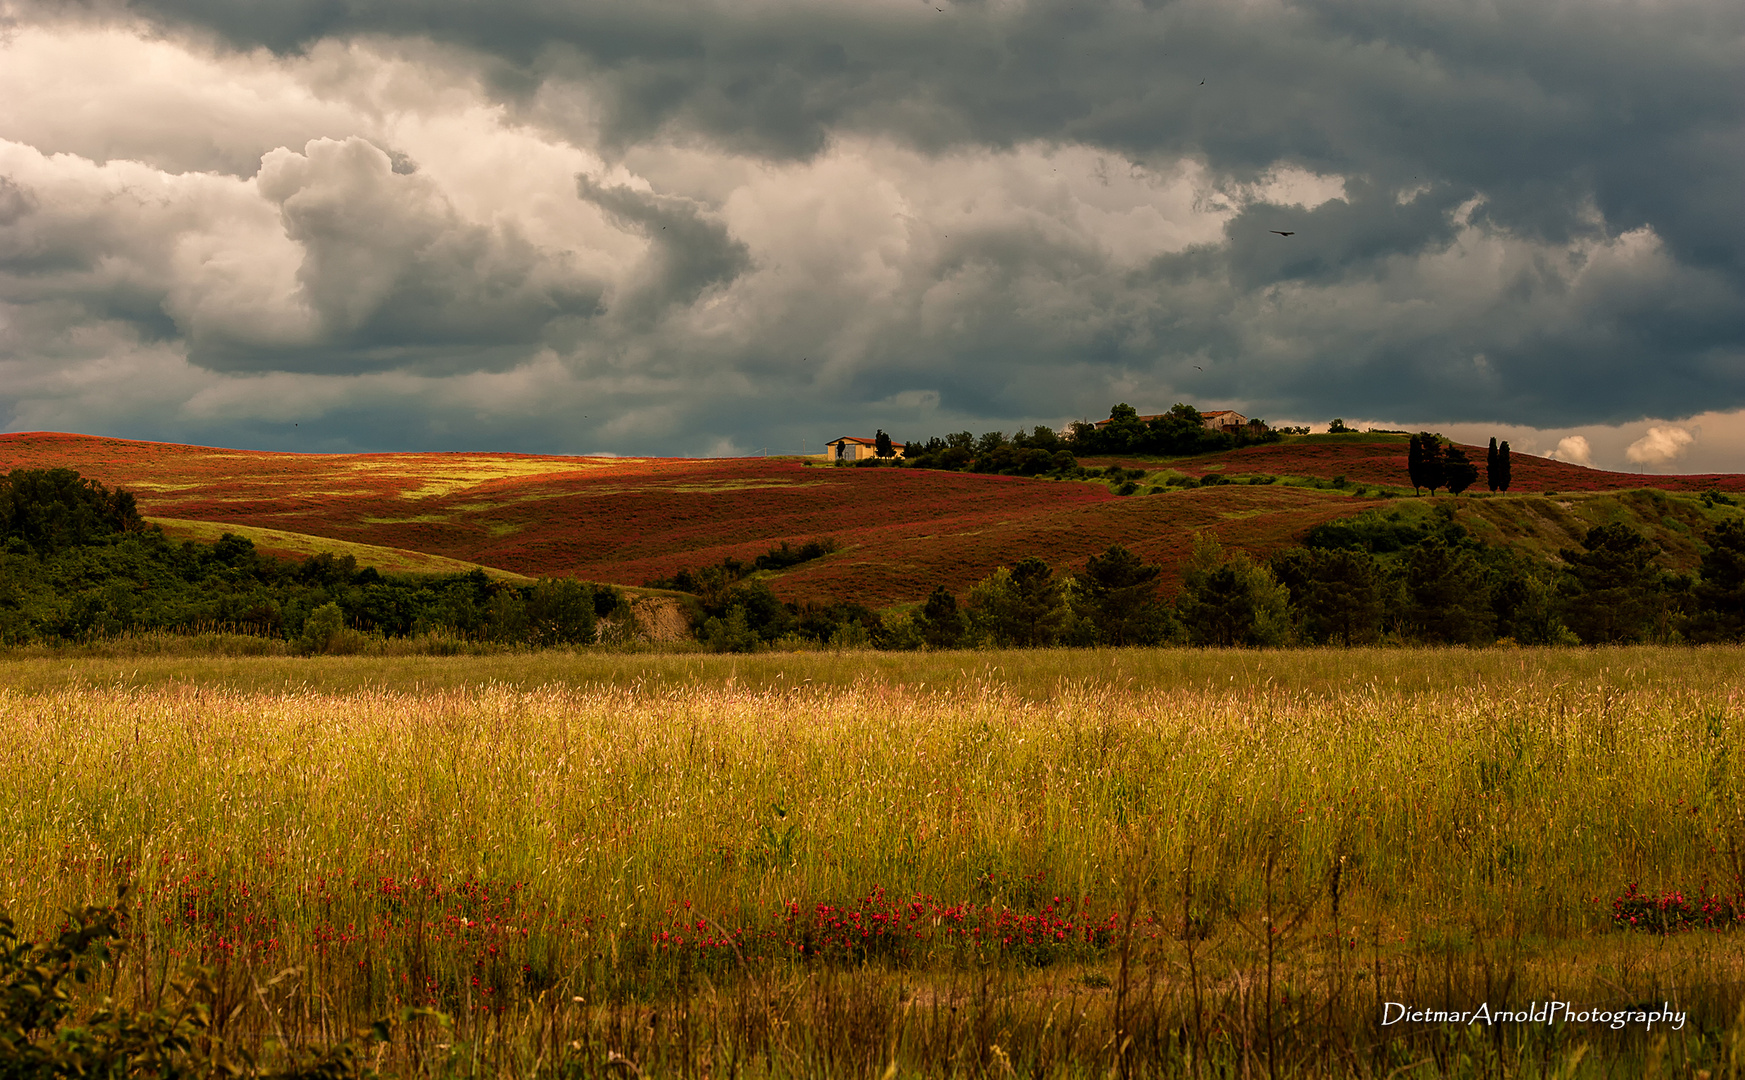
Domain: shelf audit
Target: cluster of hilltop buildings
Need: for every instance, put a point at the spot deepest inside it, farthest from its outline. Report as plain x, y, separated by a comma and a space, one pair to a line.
1228, 421
855, 448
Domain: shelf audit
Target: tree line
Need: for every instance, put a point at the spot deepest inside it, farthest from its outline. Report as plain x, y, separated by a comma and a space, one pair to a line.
1043, 451
77, 562
1370, 580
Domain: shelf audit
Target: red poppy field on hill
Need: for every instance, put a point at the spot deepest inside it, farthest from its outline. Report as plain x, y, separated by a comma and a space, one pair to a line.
1369, 459
628, 520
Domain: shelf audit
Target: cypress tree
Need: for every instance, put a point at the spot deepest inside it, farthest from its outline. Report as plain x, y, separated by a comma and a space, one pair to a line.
1492, 470
1503, 466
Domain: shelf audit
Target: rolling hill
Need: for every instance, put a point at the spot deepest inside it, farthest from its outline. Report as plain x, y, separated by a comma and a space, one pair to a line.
1364, 458
902, 531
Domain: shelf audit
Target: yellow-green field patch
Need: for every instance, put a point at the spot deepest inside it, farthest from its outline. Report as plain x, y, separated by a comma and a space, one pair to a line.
280, 542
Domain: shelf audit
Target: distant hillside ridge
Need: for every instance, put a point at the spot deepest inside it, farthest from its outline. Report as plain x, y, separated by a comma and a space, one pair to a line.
901, 532
1364, 458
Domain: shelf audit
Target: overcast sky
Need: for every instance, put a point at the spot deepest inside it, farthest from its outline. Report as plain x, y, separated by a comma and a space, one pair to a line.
694, 227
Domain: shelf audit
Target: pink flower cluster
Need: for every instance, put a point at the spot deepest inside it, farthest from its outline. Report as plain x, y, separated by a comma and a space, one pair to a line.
1673, 912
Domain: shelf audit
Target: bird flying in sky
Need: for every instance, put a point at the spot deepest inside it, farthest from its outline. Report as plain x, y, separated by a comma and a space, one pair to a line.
1281, 233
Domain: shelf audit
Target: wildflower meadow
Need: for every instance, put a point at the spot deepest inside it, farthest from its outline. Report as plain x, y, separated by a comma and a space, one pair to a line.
1047, 863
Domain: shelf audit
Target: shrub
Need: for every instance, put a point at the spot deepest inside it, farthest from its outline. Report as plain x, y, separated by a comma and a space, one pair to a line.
41, 1033
731, 634
898, 632
321, 629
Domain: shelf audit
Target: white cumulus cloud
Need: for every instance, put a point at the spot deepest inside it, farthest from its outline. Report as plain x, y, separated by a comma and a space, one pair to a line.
1659, 446
1573, 449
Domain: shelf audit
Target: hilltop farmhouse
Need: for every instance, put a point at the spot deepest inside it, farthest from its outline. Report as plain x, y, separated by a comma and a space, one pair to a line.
1226, 420
855, 448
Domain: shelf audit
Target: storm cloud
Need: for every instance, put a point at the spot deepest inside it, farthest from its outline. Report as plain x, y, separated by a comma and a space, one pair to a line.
698, 226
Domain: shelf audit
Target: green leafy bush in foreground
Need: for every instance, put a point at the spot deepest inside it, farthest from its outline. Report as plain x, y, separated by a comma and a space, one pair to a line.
43, 1035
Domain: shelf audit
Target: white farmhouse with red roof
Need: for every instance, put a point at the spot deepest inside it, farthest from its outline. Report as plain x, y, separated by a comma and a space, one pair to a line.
855, 448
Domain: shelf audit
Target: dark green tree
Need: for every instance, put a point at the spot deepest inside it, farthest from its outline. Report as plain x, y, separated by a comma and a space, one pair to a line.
941, 621
1524, 597
1338, 596
560, 611
1022, 606
1719, 596
1493, 469
1181, 430
1231, 600
989, 443
731, 633
882, 444
1447, 597
1458, 473
1612, 590
1124, 431
1042, 612
1424, 461
51, 510
764, 611
1119, 598
1503, 466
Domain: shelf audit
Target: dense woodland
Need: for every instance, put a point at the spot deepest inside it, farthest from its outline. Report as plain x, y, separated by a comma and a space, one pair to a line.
77, 562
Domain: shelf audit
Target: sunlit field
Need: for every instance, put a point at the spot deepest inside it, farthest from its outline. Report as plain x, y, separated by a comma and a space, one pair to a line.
1048, 863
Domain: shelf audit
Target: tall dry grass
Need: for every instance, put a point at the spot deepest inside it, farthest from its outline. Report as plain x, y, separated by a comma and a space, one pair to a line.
1279, 842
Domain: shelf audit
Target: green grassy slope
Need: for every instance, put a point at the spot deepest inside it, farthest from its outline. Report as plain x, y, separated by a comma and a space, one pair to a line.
301, 545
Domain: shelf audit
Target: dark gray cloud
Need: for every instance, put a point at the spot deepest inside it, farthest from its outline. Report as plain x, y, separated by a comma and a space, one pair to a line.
689, 252
15, 202
883, 214
1520, 100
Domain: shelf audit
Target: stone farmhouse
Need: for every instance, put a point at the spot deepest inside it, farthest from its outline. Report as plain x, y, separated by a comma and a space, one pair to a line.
1224, 420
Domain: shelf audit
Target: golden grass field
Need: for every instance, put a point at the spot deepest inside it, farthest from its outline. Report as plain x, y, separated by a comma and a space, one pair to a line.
1054, 863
